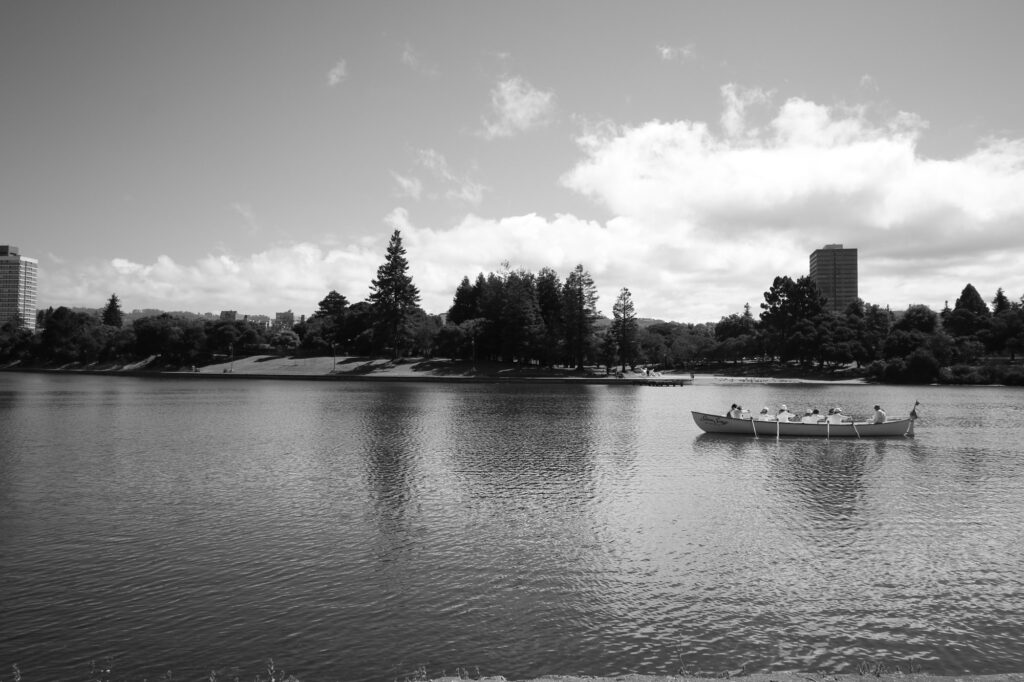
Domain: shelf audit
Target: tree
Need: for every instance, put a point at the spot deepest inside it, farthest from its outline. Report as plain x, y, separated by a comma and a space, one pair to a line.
522, 330
464, 305
579, 305
868, 326
918, 317
1000, 303
112, 315
393, 296
1007, 330
970, 315
69, 336
549, 299
788, 304
625, 329
332, 307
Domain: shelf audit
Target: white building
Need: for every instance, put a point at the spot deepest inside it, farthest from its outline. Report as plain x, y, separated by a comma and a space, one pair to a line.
18, 287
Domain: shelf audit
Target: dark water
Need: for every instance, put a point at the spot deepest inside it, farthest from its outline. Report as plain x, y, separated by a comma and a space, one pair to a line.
369, 532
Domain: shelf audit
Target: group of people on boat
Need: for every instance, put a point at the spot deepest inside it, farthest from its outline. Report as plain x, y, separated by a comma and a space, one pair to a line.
811, 415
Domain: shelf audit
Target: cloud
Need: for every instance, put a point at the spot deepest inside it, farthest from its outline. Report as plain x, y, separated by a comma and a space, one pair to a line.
457, 187
412, 59
338, 74
517, 107
288, 277
703, 217
248, 216
735, 103
670, 53
410, 187
759, 199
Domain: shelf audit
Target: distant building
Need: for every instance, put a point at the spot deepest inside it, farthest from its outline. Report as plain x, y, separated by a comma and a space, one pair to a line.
18, 288
834, 270
261, 321
284, 320
229, 315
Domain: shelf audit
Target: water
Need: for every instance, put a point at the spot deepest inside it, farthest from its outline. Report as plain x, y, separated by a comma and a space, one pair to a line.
359, 531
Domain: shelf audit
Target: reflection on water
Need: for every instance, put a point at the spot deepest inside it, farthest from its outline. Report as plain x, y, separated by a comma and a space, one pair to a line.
362, 531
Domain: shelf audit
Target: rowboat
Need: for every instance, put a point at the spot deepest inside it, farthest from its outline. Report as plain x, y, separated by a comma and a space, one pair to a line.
713, 423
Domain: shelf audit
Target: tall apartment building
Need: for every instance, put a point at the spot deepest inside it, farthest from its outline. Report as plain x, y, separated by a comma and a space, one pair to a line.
834, 270
284, 320
18, 276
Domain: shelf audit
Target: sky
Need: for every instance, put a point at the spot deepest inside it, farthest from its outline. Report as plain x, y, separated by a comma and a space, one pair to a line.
252, 155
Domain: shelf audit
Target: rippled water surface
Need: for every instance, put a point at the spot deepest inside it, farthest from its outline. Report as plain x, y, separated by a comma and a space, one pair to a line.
359, 531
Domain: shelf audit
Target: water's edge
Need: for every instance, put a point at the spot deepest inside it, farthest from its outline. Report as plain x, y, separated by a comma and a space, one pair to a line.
767, 677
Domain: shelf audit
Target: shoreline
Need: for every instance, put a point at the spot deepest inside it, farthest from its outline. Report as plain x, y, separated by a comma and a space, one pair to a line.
765, 677
351, 368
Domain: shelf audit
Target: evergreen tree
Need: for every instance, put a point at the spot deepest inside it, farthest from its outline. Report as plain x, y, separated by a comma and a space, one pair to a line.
549, 298
112, 315
393, 296
522, 327
789, 306
1000, 303
579, 300
332, 307
464, 305
625, 329
971, 300
970, 315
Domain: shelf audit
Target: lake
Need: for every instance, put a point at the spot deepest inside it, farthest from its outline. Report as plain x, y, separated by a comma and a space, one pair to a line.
380, 531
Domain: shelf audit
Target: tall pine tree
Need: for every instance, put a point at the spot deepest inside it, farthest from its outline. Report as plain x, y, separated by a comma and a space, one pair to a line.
394, 297
625, 329
579, 301
112, 315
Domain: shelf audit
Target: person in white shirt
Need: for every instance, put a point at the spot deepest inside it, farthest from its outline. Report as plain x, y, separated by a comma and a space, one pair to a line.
809, 418
784, 415
880, 415
835, 416
764, 416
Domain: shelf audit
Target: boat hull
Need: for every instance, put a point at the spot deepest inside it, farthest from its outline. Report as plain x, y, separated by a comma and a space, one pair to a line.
713, 423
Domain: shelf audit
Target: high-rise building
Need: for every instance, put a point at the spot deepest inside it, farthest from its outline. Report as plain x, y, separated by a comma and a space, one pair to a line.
18, 276
834, 270
284, 320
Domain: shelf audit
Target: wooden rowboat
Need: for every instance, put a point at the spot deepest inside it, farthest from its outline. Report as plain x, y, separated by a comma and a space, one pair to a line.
713, 423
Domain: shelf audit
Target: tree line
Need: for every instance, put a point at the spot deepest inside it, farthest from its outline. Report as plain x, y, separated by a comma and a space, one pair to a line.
969, 343
389, 321
541, 319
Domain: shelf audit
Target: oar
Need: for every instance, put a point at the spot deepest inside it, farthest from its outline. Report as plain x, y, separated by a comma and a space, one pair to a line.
753, 426
853, 423
827, 429
913, 418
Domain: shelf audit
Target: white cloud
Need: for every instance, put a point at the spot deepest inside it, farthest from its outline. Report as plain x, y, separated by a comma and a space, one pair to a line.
410, 187
338, 74
412, 59
459, 187
288, 277
518, 107
702, 222
248, 216
736, 101
671, 53
759, 200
